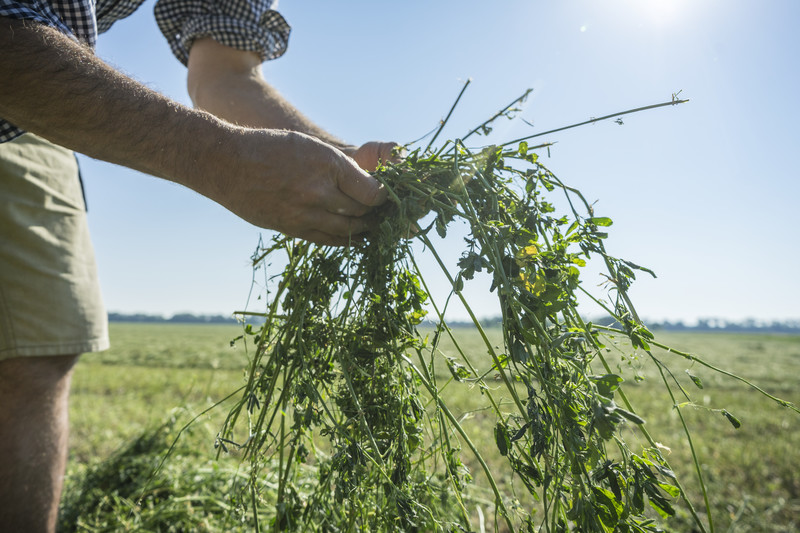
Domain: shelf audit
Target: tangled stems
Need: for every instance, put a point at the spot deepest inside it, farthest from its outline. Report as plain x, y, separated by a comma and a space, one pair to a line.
345, 399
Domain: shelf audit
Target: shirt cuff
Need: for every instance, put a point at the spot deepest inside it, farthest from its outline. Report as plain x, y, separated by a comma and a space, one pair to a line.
240, 24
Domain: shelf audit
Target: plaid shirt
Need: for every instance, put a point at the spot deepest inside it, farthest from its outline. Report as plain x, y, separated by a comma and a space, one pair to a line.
249, 25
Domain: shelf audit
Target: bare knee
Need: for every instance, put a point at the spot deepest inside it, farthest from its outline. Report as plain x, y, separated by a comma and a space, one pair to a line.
29, 376
34, 393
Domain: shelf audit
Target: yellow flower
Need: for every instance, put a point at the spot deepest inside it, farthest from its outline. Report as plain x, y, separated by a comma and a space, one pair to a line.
527, 251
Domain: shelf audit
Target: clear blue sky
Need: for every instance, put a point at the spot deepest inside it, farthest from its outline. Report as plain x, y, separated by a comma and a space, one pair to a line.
705, 193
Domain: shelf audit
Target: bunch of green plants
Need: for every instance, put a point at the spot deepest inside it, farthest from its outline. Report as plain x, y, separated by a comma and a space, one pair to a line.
345, 410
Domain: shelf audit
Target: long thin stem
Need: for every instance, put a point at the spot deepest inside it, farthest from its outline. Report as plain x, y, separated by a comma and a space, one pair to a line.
452, 108
598, 119
724, 372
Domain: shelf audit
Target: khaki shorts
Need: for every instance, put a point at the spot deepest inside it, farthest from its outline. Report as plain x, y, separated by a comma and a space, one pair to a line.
50, 301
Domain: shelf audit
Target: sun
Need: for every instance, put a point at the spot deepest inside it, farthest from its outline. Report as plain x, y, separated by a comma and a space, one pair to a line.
659, 12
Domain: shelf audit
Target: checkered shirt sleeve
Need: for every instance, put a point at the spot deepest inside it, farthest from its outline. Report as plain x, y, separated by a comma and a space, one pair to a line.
75, 19
8, 131
249, 25
110, 11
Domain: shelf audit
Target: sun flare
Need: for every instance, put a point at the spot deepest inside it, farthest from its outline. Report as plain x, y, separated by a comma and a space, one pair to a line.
659, 12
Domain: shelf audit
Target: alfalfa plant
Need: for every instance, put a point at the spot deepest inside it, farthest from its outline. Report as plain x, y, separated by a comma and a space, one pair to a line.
345, 410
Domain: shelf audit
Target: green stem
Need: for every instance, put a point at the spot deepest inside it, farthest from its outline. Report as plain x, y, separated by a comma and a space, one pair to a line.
434, 391
452, 108
593, 120
699, 361
497, 115
254, 503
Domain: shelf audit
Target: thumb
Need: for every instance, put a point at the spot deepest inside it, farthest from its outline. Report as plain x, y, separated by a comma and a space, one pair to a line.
360, 186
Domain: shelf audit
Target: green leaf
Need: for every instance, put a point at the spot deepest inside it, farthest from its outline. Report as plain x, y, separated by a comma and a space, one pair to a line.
502, 439
607, 384
605, 420
600, 221
520, 432
637, 341
637, 498
663, 470
663, 507
695, 379
607, 507
529, 185
672, 490
639, 267
441, 228
459, 371
636, 419
560, 340
518, 352
572, 227
732, 419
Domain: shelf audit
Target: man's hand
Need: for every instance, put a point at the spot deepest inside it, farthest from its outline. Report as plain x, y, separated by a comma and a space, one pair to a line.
297, 185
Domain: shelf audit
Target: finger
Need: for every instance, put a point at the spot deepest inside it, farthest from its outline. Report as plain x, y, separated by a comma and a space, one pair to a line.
339, 203
334, 230
391, 152
326, 239
360, 186
338, 225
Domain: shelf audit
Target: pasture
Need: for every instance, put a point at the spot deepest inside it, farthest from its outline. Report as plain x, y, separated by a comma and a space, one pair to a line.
129, 403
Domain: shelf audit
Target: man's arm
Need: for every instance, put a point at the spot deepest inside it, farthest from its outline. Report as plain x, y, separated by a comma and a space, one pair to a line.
281, 180
228, 83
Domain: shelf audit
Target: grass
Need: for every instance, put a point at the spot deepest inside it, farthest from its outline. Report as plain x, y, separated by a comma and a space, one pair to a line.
751, 471
150, 371
128, 405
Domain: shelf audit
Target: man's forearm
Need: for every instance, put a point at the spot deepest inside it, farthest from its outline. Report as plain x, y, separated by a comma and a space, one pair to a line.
252, 102
59, 89
228, 83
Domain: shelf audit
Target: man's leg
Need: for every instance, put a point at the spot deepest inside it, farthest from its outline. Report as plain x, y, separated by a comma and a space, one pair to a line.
50, 305
34, 394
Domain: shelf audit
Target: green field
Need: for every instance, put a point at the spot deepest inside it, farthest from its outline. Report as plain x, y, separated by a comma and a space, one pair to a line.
168, 376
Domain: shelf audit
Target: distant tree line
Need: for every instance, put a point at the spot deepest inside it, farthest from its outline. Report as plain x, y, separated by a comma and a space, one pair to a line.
749, 325
745, 326
180, 318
